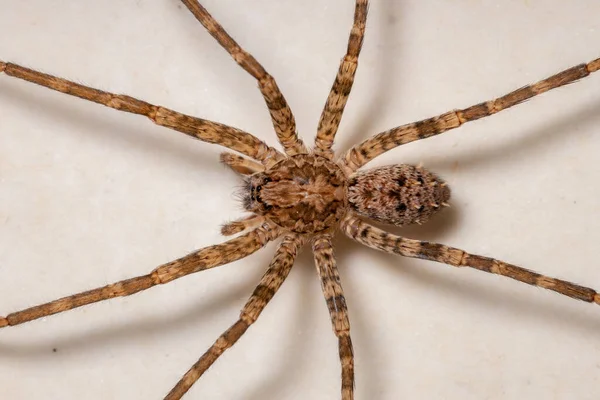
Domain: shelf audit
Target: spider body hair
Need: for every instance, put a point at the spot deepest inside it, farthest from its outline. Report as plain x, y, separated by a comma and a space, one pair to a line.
301, 197
305, 193
309, 194
397, 194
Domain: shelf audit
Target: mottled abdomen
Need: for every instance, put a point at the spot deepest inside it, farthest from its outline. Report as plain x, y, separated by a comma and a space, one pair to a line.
397, 194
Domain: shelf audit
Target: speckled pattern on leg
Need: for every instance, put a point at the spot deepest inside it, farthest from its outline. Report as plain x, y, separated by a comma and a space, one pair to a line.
304, 195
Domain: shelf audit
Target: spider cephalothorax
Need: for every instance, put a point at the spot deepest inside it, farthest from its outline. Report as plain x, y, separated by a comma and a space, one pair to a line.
301, 197
303, 193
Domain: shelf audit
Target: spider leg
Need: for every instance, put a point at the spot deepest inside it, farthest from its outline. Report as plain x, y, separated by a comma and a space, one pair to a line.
338, 311
281, 114
242, 224
240, 164
338, 96
208, 131
378, 239
269, 284
199, 260
366, 151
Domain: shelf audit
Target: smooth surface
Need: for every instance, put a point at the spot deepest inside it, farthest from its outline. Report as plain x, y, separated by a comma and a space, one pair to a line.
89, 195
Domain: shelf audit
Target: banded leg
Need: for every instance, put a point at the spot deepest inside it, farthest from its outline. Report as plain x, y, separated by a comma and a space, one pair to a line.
207, 131
366, 151
338, 311
376, 238
269, 284
199, 260
240, 164
338, 96
281, 114
242, 224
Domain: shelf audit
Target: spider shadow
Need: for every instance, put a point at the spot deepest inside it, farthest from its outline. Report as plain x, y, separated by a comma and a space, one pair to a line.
550, 130
361, 324
543, 135
371, 379
430, 275
142, 140
496, 298
295, 362
136, 327
382, 90
294, 359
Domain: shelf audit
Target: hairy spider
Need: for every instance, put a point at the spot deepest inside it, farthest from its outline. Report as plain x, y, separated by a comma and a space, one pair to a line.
303, 196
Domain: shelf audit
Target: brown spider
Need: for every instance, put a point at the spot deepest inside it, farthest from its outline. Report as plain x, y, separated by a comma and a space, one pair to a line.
304, 196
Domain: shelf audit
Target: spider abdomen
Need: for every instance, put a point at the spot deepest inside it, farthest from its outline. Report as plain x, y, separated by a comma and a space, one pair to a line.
397, 194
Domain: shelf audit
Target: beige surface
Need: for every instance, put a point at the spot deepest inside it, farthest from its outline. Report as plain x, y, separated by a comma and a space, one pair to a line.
89, 196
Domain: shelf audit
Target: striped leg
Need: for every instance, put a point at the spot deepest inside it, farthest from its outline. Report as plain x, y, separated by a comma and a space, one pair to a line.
281, 114
378, 239
208, 131
366, 151
336, 303
200, 260
338, 96
264, 292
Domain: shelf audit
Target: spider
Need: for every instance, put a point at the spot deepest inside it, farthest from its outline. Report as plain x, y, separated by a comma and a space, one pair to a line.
303, 196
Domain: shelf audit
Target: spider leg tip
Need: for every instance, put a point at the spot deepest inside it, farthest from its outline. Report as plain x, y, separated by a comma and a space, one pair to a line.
3, 322
229, 229
2, 66
224, 156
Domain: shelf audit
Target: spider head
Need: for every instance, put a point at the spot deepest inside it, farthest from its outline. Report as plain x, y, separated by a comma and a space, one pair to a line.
397, 194
303, 193
252, 193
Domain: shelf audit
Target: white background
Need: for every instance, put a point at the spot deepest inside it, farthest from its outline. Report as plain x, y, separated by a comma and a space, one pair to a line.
89, 196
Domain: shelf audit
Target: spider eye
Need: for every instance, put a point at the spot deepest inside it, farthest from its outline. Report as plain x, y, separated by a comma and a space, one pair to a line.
258, 188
